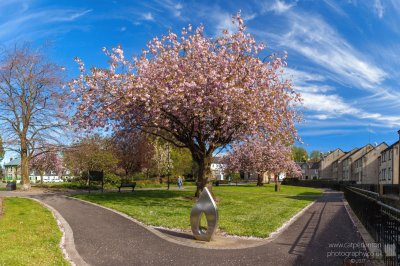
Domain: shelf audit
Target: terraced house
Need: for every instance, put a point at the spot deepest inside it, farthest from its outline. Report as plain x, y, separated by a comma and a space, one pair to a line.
344, 164
389, 165
309, 170
326, 167
366, 168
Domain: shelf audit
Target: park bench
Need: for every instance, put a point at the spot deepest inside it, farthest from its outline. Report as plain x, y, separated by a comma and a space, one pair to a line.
132, 185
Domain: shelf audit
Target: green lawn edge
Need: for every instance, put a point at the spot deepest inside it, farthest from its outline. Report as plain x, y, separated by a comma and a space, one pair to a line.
247, 211
29, 234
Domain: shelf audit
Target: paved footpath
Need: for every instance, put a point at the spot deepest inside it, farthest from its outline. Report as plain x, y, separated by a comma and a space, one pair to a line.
103, 237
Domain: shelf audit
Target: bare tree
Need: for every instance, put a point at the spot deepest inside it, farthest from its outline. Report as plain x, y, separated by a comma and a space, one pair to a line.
30, 116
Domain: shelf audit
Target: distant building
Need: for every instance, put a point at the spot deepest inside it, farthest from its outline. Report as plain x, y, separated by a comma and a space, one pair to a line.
366, 168
218, 168
326, 167
12, 170
309, 170
389, 165
349, 164
344, 165
13, 173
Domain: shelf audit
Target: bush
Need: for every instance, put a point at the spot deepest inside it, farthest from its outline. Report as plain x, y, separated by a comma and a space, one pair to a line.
112, 179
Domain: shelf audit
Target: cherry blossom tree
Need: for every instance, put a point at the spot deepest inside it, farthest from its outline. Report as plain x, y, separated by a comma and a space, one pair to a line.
262, 155
46, 162
193, 91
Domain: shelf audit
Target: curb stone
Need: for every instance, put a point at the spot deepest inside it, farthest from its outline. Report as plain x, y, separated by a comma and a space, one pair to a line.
153, 230
67, 244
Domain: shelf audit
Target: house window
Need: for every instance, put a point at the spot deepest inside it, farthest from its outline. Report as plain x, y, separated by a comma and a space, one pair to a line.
390, 153
390, 173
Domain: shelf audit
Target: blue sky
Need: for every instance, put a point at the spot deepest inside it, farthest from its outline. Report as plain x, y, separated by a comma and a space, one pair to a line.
343, 54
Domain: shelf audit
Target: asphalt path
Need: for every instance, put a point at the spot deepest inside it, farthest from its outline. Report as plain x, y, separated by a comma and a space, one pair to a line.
323, 235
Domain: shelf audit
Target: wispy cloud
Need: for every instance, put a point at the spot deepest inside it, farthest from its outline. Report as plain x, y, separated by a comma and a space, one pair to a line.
174, 7
76, 15
30, 22
314, 133
378, 8
316, 40
279, 6
148, 16
333, 5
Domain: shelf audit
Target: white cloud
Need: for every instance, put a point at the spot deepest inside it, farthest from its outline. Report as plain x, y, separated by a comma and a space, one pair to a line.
330, 105
307, 82
77, 15
31, 23
341, 131
174, 7
279, 6
320, 43
335, 7
333, 106
223, 22
148, 16
122, 29
378, 8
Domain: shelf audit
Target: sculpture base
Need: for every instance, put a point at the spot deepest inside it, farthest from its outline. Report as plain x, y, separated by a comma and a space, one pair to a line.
186, 238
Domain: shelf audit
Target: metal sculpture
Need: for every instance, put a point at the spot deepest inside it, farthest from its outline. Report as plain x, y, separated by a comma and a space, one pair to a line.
205, 204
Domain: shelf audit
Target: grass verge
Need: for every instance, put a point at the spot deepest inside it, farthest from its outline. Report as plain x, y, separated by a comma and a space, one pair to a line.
29, 234
243, 210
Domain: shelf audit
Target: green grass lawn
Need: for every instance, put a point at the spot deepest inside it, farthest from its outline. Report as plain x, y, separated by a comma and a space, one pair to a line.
29, 234
243, 210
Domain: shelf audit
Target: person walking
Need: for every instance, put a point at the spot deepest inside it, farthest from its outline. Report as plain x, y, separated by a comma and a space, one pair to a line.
180, 181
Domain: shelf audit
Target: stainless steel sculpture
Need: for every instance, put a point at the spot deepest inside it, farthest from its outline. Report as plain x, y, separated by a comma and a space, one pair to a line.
205, 204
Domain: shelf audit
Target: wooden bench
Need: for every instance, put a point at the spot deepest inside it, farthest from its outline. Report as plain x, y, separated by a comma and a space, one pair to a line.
132, 185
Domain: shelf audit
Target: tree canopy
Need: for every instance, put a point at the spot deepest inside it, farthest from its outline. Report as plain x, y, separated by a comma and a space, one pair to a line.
194, 91
299, 154
30, 93
315, 156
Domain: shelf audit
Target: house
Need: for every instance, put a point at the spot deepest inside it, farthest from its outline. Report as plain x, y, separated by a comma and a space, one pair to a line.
313, 171
326, 167
366, 168
13, 173
343, 166
218, 168
348, 161
12, 170
389, 165
309, 170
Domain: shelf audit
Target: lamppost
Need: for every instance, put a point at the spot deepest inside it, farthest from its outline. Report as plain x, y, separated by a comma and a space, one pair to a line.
168, 165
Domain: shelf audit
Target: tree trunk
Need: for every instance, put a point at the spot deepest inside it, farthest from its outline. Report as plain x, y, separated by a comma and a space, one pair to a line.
204, 173
260, 180
26, 185
41, 179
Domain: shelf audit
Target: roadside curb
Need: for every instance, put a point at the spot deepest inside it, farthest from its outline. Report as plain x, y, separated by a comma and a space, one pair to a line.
67, 243
153, 230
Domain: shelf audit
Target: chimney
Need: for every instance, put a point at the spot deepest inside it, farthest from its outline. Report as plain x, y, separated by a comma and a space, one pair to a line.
12, 158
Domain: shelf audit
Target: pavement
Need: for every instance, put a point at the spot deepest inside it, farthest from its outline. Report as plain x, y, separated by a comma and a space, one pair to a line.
323, 234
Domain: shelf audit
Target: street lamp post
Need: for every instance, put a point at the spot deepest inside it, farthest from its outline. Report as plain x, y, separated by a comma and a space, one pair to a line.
169, 165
